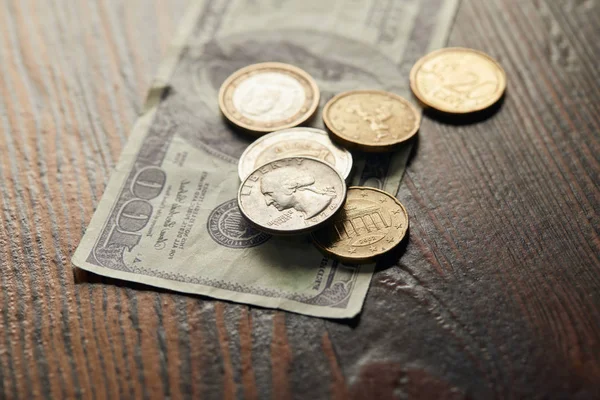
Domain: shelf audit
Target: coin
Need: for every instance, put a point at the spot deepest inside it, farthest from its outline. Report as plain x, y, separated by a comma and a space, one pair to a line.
292, 142
371, 223
268, 97
457, 80
371, 120
292, 195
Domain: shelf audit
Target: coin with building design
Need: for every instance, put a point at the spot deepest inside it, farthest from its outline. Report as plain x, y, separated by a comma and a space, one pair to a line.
292, 195
371, 223
371, 120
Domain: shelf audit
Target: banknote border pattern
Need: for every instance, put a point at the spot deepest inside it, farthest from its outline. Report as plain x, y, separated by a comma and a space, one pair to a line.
334, 294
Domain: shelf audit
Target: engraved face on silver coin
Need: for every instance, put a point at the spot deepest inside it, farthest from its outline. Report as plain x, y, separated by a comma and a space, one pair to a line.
293, 142
292, 195
267, 97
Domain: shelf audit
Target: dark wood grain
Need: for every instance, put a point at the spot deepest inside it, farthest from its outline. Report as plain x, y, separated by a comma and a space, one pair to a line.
497, 294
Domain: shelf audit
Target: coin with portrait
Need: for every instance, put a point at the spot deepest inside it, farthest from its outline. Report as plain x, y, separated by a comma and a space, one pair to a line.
458, 80
293, 142
371, 120
371, 223
292, 195
268, 96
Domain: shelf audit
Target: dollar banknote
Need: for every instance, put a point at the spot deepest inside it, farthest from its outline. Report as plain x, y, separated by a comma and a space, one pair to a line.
169, 216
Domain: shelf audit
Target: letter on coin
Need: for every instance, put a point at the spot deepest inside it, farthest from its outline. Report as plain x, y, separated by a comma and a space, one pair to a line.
292, 195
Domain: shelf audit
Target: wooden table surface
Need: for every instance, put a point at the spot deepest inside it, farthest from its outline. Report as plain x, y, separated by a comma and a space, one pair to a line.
496, 296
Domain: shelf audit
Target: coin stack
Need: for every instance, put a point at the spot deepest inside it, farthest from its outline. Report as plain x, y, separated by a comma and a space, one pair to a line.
294, 178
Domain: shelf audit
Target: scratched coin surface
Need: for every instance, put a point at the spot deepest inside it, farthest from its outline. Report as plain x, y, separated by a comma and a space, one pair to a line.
458, 80
292, 195
268, 96
371, 120
294, 142
371, 223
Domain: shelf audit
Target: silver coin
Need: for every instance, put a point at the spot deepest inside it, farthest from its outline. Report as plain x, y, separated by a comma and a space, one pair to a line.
294, 142
269, 96
292, 195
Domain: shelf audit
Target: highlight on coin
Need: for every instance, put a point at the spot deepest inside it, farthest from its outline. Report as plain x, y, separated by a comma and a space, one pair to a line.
293, 142
371, 120
292, 195
269, 96
371, 223
458, 80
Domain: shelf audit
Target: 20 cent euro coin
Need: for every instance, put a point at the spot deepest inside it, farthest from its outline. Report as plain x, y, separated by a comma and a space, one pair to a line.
371, 120
371, 223
295, 142
292, 195
457, 80
268, 96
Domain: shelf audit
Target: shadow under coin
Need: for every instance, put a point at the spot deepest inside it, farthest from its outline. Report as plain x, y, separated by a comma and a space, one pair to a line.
240, 132
391, 258
385, 261
464, 119
414, 149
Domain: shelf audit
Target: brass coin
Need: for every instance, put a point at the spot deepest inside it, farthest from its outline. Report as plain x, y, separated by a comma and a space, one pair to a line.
458, 80
267, 97
371, 223
292, 142
292, 195
371, 120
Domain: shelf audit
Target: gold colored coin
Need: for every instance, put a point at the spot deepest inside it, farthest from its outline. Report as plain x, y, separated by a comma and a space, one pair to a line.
371, 223
371, 120
458, 80
270, 96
